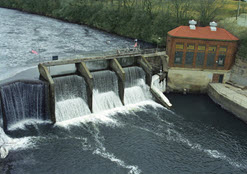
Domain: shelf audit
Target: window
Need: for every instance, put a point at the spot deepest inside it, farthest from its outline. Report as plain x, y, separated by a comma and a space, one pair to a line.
221, 60
200, 58
190, 46
189, 58
222, 56
200, 55
178, 57
211, 55
179, 46
212, 49
201, 47
223, 49
189, 54
210, 59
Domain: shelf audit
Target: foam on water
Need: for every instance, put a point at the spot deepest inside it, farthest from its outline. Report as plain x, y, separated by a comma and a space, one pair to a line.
172, 135
210, 152
107, 117
133, 169
24, 123
101, 151
11, 144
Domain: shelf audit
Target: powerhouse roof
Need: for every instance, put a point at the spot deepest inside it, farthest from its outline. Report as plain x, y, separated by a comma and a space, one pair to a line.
202, 33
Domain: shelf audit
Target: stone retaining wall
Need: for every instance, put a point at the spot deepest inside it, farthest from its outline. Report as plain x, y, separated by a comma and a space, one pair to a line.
222, 97
239, 72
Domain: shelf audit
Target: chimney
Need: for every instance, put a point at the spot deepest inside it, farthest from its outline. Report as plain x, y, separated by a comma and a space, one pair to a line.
192, 24
213, 26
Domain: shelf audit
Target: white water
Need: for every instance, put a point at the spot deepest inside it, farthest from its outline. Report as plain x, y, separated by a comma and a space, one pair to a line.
71, 97
136, 94
136, 89
105, 101
105, 92
71, 108
108, 119
8, 144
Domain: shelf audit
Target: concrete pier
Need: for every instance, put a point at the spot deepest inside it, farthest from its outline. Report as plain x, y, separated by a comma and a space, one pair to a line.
84, 72
117, 68
230, 98
142, 61
44, 73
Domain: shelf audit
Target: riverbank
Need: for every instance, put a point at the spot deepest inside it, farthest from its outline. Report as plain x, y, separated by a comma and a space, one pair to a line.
231, 98
145, 20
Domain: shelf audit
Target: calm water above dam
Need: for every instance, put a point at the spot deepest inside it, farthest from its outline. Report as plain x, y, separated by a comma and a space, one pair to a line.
195, 136
20, 33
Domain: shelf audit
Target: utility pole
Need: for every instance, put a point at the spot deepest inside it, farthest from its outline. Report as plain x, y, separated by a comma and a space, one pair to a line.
238, 9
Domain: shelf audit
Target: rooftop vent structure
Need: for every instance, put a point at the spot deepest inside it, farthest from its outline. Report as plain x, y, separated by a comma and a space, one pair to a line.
192, 24
213, 26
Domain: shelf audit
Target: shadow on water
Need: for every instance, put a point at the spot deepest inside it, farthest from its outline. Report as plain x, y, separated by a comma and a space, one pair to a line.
202, 109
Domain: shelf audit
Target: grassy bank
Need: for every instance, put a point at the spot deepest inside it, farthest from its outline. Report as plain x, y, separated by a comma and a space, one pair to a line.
143, 19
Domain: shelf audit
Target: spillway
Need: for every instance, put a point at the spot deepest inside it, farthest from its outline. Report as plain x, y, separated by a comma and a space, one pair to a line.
24, 100
105, 92
136, 89
71, 97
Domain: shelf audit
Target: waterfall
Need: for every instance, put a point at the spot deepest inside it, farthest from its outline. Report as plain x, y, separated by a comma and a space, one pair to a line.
1, 114
71, 97
24, 100
105, 92
136, 89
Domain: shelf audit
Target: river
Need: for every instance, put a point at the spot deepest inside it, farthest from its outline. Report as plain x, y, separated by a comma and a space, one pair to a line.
20, 33
195, 136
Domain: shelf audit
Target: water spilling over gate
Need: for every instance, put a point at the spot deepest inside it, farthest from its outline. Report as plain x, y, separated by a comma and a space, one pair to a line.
79, 87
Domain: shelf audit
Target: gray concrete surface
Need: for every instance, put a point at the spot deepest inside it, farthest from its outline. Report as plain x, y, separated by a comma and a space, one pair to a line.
230, 98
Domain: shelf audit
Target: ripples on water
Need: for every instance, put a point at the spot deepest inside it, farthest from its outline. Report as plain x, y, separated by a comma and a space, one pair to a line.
140, 138
20, 33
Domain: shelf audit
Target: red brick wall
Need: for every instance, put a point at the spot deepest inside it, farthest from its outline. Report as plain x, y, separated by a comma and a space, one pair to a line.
229, 59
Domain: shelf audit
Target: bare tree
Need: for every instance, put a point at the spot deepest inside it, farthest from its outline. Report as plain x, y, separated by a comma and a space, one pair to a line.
181, 8
207, 9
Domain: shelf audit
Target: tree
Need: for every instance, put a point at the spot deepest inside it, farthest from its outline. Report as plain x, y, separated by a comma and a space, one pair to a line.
181, 8
207, 10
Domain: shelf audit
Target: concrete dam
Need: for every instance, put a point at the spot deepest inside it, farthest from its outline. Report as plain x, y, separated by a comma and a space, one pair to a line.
72, 88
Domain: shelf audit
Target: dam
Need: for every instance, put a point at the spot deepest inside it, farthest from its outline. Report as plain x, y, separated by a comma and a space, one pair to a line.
75, 87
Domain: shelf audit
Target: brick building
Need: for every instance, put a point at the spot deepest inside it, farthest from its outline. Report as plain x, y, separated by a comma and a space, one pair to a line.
199, 55
202, 47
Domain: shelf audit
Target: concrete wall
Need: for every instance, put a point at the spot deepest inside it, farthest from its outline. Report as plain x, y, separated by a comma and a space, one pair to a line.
191, 79
239, 72
228, 103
